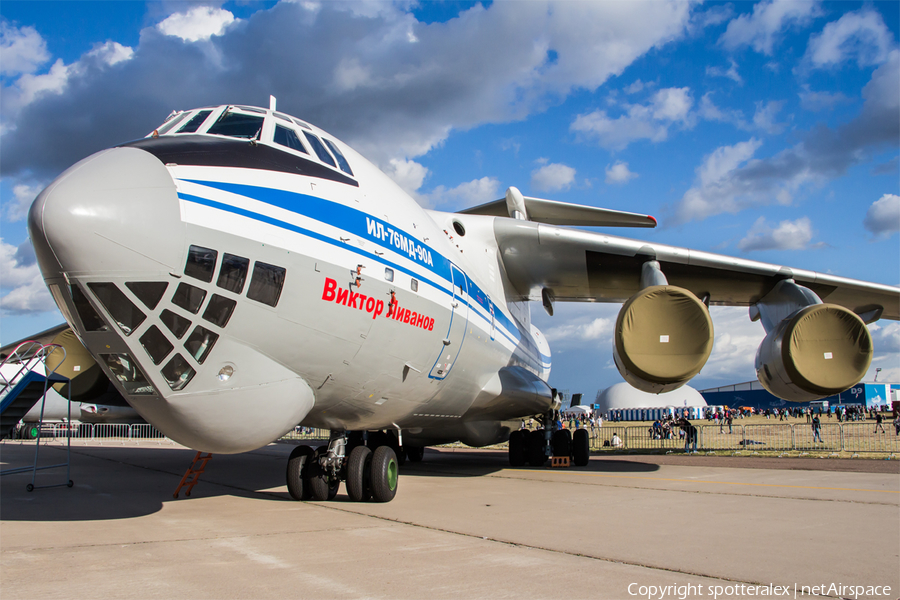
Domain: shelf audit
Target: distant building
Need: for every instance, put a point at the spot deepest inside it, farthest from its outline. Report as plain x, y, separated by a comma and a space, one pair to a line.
622, 396
752, 394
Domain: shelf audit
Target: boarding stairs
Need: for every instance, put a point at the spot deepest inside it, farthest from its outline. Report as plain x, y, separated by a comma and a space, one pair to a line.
22, 384
25, 378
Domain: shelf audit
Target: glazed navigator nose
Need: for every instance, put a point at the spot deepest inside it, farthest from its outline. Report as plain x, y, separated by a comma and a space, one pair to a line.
114, 212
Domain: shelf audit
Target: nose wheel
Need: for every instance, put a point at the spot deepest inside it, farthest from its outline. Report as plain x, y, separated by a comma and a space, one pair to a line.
367, 474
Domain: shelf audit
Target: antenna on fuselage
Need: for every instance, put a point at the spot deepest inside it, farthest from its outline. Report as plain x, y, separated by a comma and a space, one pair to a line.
272, 102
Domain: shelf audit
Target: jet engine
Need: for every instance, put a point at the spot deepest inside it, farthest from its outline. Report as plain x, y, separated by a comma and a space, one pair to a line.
819, 351
663, 337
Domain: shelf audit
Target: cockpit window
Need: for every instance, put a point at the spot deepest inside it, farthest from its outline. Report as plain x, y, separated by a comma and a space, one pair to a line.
171, 123
345, 166
235, 124
320, 150
195, 122
252, 109
287, 137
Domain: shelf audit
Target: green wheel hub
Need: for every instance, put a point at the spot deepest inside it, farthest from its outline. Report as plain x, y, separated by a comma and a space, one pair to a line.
392, 474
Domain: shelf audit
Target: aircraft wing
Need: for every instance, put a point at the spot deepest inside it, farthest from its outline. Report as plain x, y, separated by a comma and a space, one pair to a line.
592, 267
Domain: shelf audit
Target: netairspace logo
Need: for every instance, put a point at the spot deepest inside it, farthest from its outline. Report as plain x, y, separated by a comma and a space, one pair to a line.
743, 590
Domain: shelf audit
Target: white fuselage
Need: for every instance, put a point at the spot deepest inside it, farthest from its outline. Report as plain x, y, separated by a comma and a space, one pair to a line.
383, 314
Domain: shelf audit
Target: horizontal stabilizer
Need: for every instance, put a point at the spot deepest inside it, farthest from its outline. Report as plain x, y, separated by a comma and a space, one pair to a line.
554, 212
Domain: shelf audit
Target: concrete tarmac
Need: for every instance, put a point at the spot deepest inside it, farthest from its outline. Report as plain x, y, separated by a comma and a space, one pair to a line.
463, 525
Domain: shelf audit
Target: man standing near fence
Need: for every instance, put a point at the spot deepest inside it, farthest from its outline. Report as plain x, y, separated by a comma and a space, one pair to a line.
690, 436
816, 426
878, 423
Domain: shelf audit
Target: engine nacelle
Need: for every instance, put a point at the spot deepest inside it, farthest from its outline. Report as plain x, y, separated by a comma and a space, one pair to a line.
663, 337
819, 351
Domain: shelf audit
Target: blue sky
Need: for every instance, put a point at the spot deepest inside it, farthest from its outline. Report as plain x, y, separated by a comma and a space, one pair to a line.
762, 130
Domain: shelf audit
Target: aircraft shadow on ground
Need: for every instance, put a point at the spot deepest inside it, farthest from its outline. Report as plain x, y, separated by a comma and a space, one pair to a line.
474, 463
118, 482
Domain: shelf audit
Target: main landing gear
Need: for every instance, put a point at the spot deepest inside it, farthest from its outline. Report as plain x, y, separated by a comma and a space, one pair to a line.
369, 471
536, 447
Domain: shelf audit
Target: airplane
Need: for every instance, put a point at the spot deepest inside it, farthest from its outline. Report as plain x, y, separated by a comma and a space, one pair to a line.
239, 271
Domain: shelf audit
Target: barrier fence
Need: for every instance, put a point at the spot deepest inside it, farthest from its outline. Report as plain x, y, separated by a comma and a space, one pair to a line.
832, 437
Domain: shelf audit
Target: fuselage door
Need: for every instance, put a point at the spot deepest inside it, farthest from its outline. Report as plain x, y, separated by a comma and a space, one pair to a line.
456, 333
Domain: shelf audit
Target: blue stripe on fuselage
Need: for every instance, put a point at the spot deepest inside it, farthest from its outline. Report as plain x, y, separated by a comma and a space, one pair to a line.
361, 224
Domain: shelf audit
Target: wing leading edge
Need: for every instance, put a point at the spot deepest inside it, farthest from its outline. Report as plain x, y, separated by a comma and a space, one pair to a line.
584, 266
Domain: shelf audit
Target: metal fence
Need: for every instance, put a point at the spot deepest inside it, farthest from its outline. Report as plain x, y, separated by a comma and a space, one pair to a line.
100, 431
306, 433
831, 437
863, 436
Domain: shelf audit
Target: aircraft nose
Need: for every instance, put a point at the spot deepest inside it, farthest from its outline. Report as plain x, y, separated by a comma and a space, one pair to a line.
115, 211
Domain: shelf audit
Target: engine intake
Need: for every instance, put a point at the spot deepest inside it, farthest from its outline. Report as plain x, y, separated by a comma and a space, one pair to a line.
819, 351
663, 337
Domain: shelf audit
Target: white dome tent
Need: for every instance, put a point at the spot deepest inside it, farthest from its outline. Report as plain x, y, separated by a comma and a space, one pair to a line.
631, 404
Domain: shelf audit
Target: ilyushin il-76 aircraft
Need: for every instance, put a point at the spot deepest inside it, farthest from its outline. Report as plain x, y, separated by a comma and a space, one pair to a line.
239, 271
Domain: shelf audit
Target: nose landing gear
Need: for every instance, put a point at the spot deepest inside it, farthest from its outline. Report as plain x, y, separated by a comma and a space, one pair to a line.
367, 475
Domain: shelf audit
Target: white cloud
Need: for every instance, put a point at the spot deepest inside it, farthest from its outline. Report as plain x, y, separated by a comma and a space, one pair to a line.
408, 174
23, 196
199, 23
883, 216
618, 173
818, 101
581, 330
734, 348
715, 190
20, 275
111, 53
885, 336
471, 193
23, 49
730, 179
762, 29
788, 235
380, 79
637, 86
648, 121
729, 73
710, 112
765, 116
552, 177
861, 35
29, 87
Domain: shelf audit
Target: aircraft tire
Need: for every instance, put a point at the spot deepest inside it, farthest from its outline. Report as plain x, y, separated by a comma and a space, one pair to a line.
385, 474
321, 486
359, 469
517, 449
414, 453
295, 467
534, 448
581, 448
561, 442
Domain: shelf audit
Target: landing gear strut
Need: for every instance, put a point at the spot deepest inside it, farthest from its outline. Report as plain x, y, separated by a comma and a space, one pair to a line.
367, 475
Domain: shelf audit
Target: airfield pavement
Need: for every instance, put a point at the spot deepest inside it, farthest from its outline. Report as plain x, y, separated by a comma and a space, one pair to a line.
463, 525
